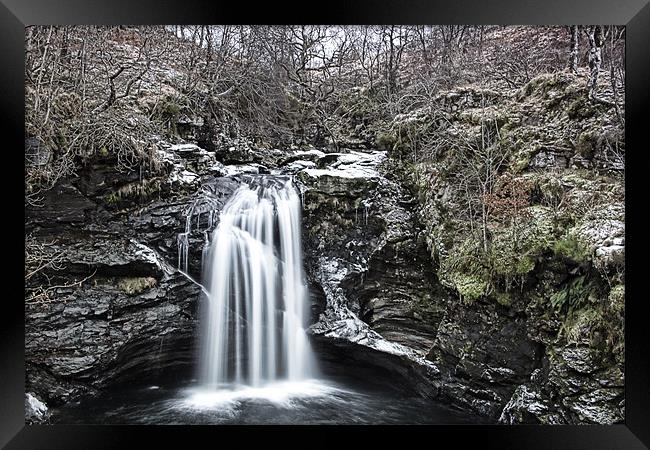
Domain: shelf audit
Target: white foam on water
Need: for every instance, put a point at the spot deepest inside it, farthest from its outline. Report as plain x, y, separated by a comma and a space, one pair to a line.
279, 393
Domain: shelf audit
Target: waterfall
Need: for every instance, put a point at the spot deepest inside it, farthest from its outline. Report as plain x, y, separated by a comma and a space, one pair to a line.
255, 313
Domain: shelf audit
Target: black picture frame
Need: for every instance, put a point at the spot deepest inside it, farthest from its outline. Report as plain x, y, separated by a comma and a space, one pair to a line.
635, 14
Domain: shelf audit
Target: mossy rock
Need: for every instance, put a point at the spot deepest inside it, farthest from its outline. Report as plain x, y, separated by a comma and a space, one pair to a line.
581, 108
548, 189
617, 298
136, 285
571, 248
542, 84
470, 287
586, 144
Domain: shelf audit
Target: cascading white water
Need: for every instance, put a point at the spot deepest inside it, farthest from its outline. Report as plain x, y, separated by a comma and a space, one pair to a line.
255, 313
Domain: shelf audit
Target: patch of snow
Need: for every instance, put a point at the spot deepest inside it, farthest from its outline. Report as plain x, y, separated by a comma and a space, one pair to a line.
242, 168
149, 255
145, 252
298, 165
236, 169
183, 176
346, 173
351, 165
167, 156
37, 406
185, 148
315, 152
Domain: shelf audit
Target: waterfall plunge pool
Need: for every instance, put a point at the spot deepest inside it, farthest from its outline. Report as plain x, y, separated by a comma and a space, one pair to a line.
308, 402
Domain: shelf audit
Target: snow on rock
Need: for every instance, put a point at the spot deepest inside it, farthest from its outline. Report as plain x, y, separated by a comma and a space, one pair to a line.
144, 253
305, 153
344, 174
35, 410
295, 166
351, 165
185, 148
603, 230
176, 156
183, 177
350, 173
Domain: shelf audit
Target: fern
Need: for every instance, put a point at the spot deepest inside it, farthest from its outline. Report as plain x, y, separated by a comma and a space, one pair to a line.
573, 295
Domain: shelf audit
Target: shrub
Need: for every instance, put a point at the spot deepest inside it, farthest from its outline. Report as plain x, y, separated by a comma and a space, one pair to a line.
581, 108
586, 144
385, 141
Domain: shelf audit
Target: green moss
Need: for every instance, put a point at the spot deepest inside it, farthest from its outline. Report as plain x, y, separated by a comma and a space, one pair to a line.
551, 189
544, 83
134, 286
470, 287
112, 199
572, 249
584, 326
503, 298
617, 298
168, 112
524, 265
521, 162
170, 109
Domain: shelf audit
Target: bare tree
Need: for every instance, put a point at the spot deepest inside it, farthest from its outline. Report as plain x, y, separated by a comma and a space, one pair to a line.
575, 44
595, 37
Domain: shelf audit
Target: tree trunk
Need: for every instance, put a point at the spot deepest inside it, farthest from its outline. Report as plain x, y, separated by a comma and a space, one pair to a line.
573, 55
595, 58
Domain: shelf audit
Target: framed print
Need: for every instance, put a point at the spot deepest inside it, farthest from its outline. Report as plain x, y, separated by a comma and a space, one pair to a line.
374, 216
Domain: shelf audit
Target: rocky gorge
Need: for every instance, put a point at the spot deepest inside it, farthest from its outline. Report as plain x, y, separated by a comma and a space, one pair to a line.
402, 293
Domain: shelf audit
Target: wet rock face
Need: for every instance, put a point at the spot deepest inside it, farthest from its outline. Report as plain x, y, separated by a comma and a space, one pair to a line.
63, 204
363, 253
573, 387
527, 405
117, 327
586, 385
160, 223
399, 296
483, 353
